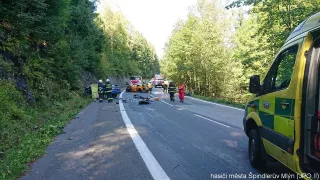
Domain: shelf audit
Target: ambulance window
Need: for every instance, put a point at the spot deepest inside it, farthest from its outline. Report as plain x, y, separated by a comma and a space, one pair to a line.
268, 81
285, 67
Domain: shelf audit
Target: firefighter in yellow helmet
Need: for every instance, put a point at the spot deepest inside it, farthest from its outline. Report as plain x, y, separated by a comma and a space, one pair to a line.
100, 90
109, 91
172, 90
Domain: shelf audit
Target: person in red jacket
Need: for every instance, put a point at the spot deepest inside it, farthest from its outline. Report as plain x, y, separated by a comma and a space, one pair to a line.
181, 92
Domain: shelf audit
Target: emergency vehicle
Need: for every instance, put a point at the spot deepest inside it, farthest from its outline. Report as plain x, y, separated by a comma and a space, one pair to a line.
282, 117
134, 84
158, 81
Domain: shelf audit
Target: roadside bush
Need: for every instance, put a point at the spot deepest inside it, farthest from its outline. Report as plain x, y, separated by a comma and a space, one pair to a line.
25, 131
13, 120
62, 95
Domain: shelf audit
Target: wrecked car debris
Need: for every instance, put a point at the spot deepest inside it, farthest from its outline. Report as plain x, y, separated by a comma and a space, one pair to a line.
139, 99
144, 101
136, 96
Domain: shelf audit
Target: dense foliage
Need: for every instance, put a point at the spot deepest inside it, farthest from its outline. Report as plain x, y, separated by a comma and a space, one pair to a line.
202, 54
198, 53
126, 51
56, 41
49, 50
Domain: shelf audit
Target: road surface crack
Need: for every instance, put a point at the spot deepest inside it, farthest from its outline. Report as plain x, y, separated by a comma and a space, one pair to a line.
175, 167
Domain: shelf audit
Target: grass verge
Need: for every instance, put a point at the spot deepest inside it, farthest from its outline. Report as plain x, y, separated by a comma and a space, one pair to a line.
27, 131
221, 101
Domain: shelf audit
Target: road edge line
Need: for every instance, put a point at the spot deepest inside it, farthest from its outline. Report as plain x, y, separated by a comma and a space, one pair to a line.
152, 164
214, 103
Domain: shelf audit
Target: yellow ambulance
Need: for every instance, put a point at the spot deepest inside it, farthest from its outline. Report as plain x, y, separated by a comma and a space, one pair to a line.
281, 118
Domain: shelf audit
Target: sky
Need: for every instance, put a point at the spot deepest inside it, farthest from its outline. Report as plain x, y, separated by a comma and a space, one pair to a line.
155, 19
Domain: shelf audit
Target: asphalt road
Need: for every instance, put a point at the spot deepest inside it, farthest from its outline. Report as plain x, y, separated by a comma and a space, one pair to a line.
95, 145
195, 139
191, 140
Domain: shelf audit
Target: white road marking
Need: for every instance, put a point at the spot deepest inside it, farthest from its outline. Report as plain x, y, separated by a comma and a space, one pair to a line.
212, 120
166, 103
214, 103
152, 164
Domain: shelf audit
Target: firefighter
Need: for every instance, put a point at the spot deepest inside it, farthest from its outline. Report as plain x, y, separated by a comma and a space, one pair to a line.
145, 86
172, 90
165, 88
87, 91
150, 86
104, 88
100, 90
109, 91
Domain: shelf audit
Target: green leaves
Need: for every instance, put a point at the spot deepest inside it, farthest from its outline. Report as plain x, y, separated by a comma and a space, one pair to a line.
239, 3
196, 53
126, 51
277, 19
24, 140
52, 45
259, 37
203, 53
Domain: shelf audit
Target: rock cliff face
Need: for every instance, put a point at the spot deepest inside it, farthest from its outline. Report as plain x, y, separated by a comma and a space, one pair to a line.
11, 69
8, 62
120, 81
22, 85
87, 79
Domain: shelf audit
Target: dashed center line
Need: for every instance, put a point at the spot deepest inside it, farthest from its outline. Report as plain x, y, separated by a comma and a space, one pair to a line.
166, 103
212, 121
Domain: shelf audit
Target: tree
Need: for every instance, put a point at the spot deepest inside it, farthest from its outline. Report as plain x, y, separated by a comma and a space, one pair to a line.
126, 51
277, 19
198, 55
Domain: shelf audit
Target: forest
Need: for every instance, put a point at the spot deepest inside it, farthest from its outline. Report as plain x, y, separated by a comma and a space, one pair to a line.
216, 50
49, 52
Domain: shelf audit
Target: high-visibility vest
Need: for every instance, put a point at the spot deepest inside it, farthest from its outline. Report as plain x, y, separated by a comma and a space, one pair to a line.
172, 89
108, 87
100, 87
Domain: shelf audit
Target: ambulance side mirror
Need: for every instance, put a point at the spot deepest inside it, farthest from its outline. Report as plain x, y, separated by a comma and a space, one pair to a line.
254, 86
